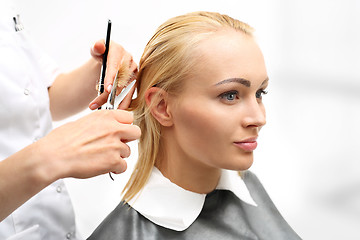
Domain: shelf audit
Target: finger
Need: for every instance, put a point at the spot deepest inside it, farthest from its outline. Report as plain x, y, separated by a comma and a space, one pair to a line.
120, 167
133, 67
115, 59
125, 104
122, 116
125, 151
98, 49
99, 101
129, 133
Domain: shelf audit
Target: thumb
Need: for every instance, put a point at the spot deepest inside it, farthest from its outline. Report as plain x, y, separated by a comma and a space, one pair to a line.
98, 49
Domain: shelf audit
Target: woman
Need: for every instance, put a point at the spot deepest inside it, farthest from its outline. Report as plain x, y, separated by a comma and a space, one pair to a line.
200, 86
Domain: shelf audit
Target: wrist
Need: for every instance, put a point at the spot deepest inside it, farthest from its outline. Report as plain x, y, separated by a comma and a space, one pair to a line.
40, 166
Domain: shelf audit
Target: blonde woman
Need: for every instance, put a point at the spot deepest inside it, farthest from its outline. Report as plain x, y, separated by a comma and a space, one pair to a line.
199, 106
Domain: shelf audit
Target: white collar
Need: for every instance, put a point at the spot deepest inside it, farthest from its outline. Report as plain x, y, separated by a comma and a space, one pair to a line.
168, 205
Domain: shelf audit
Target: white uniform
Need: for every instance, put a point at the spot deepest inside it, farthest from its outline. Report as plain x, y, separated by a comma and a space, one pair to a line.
25, 75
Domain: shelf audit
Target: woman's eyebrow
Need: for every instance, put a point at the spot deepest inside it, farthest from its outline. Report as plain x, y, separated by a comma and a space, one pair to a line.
242, 81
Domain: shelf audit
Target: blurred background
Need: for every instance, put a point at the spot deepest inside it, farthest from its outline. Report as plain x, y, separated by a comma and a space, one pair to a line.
308, 154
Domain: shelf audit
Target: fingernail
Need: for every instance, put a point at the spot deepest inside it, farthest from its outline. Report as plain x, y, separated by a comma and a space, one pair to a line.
109, 88
94, 106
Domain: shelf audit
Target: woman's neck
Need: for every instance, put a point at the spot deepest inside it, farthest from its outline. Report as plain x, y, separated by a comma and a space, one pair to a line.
187, 173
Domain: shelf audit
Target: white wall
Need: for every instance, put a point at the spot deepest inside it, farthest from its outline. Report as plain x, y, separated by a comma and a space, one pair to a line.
308, 156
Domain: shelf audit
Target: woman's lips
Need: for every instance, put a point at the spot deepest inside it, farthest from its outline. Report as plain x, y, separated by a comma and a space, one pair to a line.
247, 145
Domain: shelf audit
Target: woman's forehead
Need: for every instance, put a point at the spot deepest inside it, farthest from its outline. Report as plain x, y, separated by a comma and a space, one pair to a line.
228, 54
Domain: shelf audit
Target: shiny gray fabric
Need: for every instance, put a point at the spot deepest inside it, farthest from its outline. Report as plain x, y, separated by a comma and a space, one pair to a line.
224, 216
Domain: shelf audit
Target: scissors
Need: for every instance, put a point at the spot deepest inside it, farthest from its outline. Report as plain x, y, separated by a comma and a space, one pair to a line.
113, 101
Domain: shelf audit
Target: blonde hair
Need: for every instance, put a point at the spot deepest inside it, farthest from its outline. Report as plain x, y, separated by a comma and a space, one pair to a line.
167, 60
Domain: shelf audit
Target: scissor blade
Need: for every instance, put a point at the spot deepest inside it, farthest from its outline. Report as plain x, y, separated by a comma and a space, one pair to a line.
111, 99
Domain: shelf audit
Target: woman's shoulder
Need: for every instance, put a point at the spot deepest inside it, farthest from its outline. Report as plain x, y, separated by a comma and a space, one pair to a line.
255, 187
118, 224
278, 228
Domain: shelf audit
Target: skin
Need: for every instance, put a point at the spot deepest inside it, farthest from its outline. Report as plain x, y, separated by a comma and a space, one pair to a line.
221, 105
93, 145
66, 101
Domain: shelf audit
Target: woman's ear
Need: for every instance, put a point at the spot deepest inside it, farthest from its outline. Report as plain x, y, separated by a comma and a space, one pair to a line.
157, 100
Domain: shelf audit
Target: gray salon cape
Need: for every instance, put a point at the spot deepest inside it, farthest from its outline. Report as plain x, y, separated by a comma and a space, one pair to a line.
223, 216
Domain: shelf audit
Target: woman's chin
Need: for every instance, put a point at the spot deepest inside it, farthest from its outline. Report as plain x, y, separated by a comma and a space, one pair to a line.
241, 164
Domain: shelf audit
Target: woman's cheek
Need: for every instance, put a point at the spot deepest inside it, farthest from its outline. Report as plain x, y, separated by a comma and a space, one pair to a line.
202, 127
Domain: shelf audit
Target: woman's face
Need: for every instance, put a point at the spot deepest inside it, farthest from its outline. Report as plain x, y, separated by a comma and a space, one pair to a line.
218, 116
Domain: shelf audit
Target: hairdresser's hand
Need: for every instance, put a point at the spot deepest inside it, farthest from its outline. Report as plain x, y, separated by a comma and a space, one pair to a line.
116, 57
90, 146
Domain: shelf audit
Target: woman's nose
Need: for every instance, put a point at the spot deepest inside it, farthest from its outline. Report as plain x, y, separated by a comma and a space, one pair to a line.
255, 115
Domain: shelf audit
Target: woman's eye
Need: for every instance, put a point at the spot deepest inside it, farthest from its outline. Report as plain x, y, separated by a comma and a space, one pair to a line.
229, 96
260, 93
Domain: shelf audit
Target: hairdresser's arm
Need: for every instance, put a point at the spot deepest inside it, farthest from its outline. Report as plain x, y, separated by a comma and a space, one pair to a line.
90, 146
72, 92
